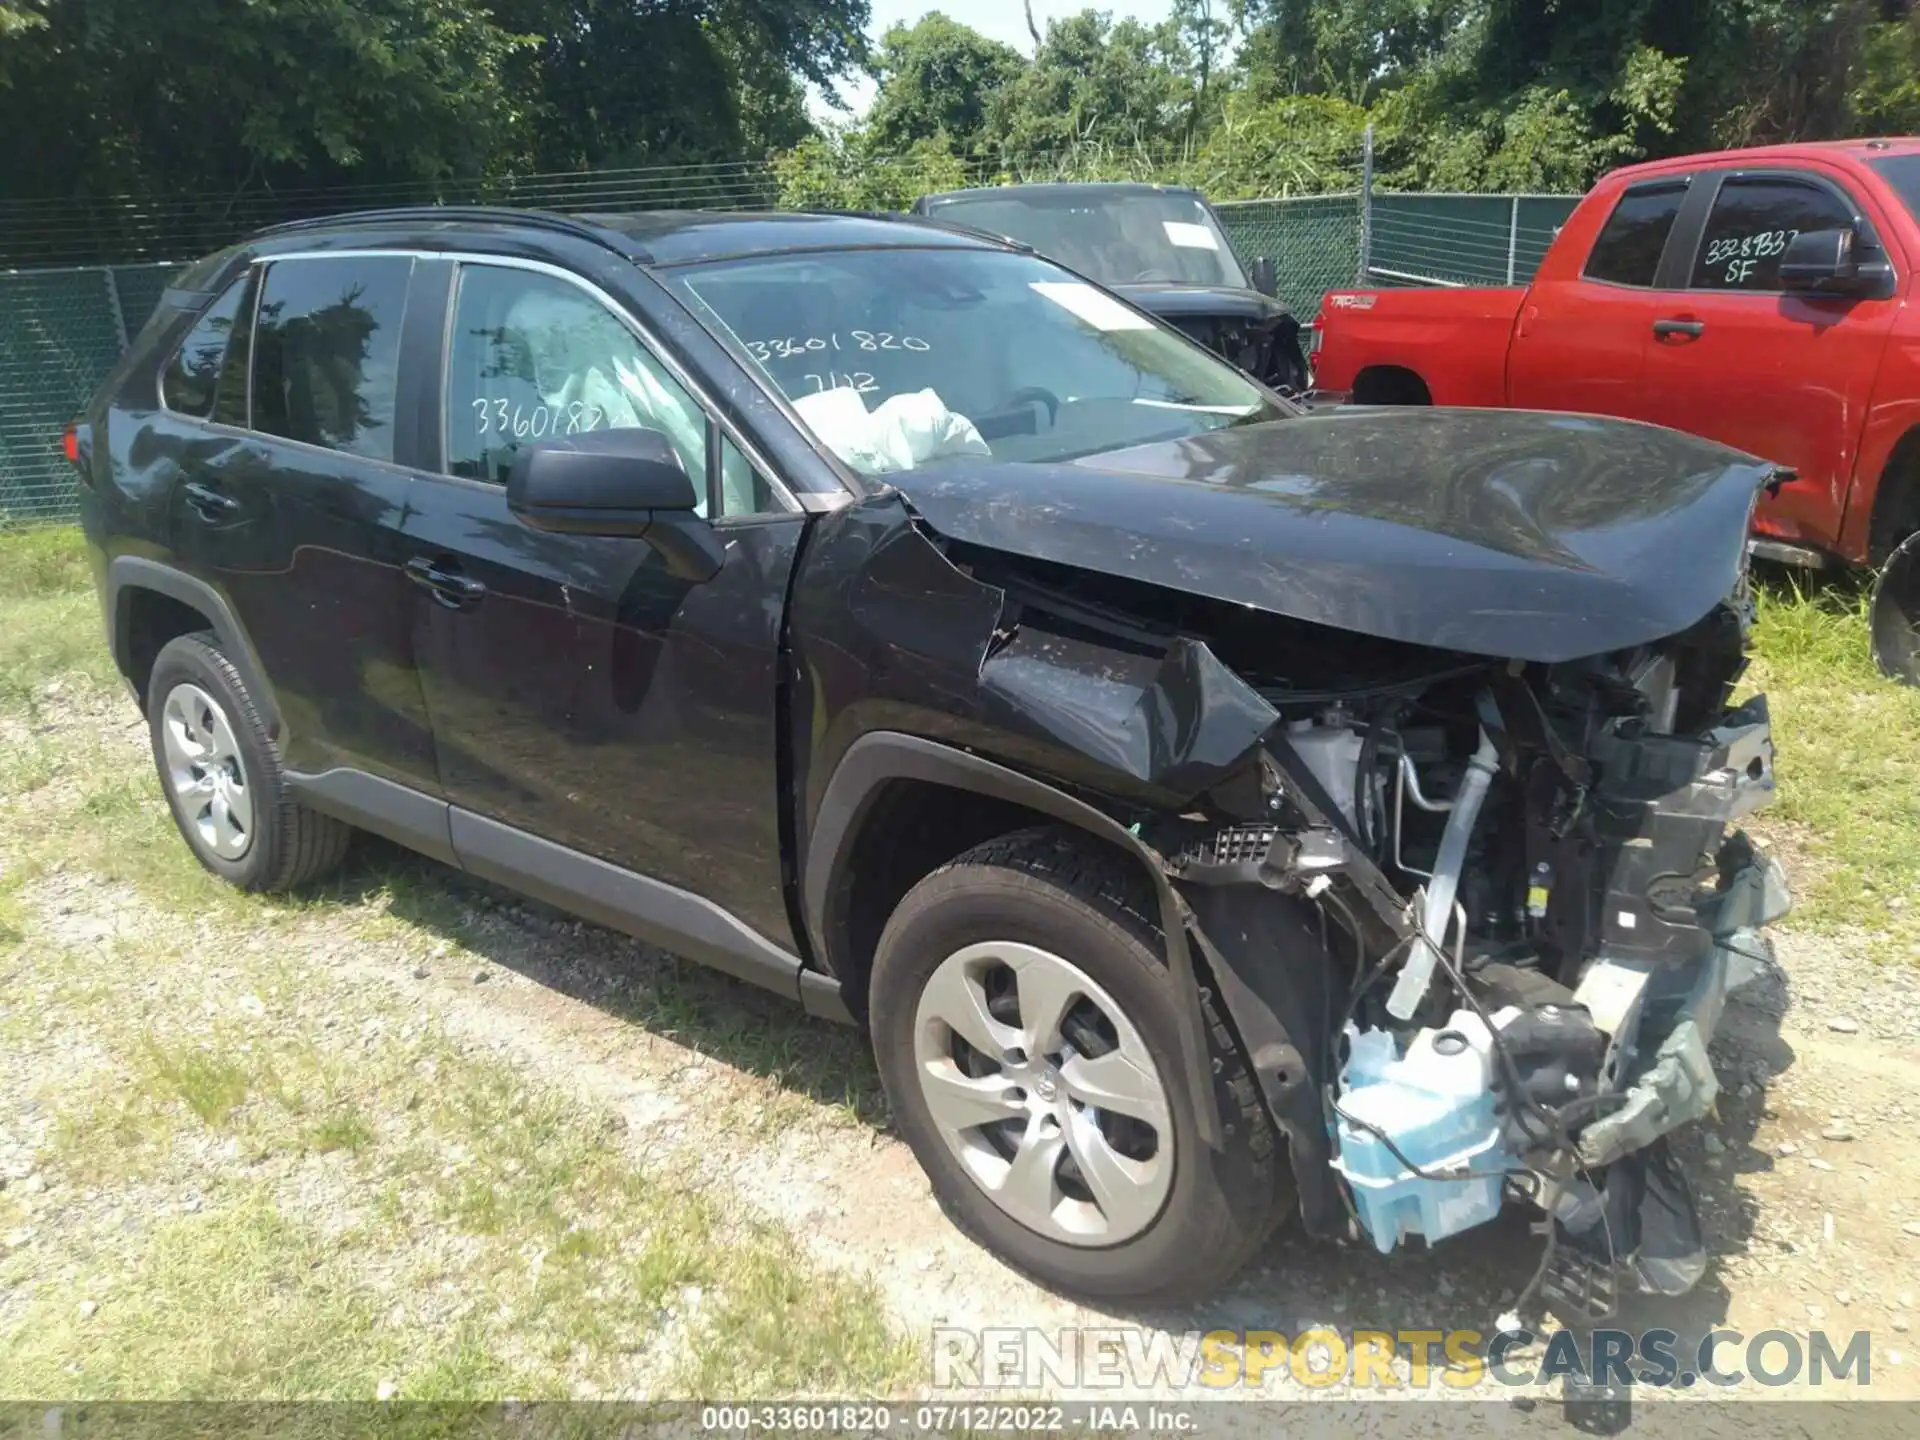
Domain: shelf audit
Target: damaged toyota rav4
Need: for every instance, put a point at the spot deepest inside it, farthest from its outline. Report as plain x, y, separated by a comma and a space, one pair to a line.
1214, 812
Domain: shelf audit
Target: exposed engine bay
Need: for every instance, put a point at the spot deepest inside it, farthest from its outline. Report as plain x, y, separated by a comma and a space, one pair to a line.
1538, 888
1530, 893
1437, 781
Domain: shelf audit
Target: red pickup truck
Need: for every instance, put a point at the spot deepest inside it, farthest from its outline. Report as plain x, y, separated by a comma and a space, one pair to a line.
1758, 297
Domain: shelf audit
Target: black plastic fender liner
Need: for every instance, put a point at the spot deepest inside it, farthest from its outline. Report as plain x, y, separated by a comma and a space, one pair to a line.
882, 756
128, 573
1265, 954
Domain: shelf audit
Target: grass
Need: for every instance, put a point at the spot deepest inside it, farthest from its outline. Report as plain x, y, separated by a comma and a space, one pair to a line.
299, 1190
1848, 765
270, 1182
209, 1084
396, 1211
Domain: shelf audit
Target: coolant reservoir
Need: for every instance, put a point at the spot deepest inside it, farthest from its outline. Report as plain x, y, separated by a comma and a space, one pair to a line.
1436, 1105
1332, 753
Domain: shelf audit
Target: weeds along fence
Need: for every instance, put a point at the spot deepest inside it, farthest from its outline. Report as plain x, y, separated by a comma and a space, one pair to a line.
86, 275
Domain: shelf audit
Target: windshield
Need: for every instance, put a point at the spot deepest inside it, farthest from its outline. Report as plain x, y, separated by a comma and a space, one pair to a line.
1902, 174
1115, 238
900, 358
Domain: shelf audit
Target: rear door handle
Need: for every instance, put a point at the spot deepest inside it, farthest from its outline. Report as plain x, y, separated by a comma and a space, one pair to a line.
448, 587
1692, 329
208, 503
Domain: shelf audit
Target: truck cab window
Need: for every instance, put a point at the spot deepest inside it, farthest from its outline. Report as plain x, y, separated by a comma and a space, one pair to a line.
1629, 248
1753, 222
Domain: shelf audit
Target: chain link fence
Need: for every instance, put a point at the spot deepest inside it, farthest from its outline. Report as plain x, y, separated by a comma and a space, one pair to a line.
61, 330
1313, 241
63, 327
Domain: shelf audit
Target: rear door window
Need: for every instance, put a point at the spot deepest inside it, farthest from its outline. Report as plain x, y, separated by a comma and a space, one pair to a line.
192, 377
1753, 221
326, 346
1629, 248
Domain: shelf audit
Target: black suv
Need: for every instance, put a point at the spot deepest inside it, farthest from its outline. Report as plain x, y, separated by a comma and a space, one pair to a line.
1162, 247
1211, 810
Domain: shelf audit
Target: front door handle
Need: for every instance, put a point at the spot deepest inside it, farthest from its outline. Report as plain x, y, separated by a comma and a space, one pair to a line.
448, 587
208, 503
1691, 329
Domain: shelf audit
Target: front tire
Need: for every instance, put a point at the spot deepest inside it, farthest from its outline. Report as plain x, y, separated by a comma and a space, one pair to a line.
223, 779
1027, 1034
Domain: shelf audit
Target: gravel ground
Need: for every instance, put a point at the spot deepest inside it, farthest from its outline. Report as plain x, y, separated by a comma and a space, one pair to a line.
1810, 1176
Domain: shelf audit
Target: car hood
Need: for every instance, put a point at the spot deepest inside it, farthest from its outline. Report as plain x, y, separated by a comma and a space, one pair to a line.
1178, 302
1530, 536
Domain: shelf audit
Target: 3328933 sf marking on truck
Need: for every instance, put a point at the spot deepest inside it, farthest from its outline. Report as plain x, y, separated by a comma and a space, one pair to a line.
1757, 297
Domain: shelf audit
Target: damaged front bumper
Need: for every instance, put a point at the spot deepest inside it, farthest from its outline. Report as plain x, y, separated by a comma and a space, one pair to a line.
1668, 1075
1671, 949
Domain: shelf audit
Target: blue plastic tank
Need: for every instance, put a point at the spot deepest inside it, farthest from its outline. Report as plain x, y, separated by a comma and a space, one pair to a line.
1436, 1103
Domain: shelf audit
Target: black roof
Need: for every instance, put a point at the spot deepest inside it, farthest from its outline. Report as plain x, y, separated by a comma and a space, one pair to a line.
682, 237
672, 237
1057, 190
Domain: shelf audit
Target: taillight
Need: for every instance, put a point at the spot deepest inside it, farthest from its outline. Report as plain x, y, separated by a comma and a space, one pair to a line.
70, 444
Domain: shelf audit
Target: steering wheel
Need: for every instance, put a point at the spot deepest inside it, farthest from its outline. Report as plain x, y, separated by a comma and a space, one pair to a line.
1148, 277
1027, 395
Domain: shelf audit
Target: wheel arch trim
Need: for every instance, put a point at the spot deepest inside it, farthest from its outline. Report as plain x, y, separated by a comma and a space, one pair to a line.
129, 573
880, 757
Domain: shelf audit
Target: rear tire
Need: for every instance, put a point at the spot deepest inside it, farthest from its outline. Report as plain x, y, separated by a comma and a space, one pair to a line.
223, 778
1132, 1206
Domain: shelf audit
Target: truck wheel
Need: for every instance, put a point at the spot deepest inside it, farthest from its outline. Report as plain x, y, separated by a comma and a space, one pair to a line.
1025, 1025
1895, 614
223, 778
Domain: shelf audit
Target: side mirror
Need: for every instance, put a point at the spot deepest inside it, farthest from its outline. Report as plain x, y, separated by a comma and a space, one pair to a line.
1263, 279
616, 483
1823, 262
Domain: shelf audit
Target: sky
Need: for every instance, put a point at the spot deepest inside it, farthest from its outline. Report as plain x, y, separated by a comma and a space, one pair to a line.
1003, 20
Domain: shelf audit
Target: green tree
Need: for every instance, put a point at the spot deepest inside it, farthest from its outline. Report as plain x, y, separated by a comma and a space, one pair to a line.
938, 77
1097, 84
1349, 49
615, 83
1885, 98
1204, 30
842, 170
1293, 145
165, 96
173, 97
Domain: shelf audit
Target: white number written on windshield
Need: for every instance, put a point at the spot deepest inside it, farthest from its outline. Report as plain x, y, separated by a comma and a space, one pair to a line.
796, 347
860, 380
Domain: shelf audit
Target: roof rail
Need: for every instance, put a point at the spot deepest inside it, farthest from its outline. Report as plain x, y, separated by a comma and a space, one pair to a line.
960, 227
935, 222
537, 219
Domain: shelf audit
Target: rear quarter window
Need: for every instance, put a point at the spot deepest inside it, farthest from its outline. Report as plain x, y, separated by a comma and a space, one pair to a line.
192, 376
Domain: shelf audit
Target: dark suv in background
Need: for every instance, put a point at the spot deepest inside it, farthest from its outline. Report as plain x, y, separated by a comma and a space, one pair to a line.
1162, 247
886, 616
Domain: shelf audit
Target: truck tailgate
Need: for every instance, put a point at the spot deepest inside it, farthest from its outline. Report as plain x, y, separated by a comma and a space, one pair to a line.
1454, 340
